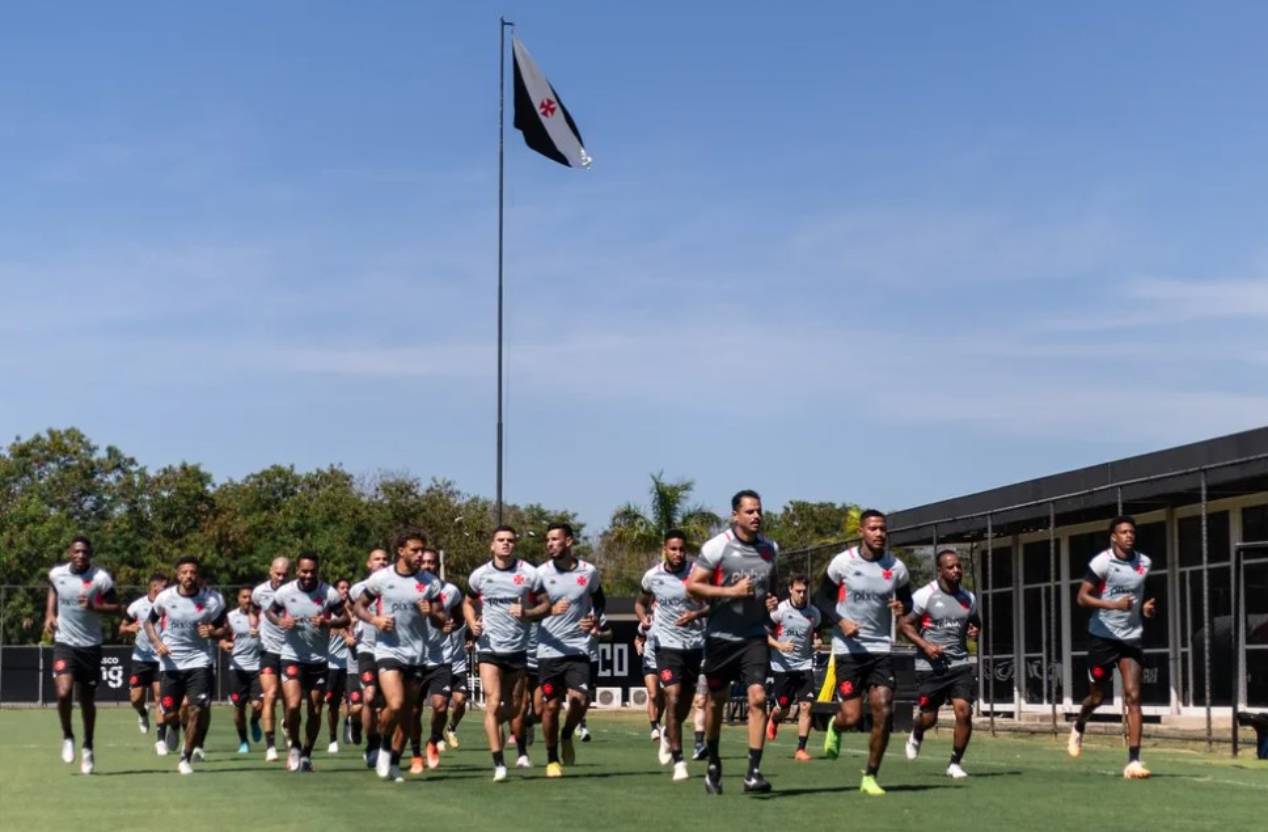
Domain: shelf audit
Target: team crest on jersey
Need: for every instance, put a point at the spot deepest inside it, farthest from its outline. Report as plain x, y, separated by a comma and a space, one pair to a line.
887, 574
200, 606
87, 582
581, 580
519, 579
419, 586
1140, 569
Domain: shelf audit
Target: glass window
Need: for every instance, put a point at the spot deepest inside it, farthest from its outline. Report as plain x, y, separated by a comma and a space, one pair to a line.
1038, 604
1151, 538
1082, 549
1079, 617
1190, 533
1255, 591
1001, 563
999, 680
999, 630
1257, 678
1035, 562
1156, 627
1255, 523
1155, 687
1035, 683
1222, 665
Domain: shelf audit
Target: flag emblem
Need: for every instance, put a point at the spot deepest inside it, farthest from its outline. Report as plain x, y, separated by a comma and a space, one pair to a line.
537, 107
546, 108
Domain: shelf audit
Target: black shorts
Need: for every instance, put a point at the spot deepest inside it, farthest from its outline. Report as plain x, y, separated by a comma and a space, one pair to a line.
937, 687
727, 661
565, 673
142, 674
793, 687
856, 672
508, 662
679, 667
437, 681
310, 675
458, 679
270, 664
83, 664
367, 670
336, 683
244, 687
1103, 655
410, 673
193, 686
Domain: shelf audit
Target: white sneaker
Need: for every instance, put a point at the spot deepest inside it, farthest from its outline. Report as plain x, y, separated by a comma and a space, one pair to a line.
440, 746
655, 735
523, 762
664, 756
383, 766
333, 748
270, 755
1136, 770
143, 723
680, 771
184, 767
913, 746
85, 761
160, 748
955, 772
499, 774
1074, 746
198, 755
395, 775
68, 751
583, 733
292, 759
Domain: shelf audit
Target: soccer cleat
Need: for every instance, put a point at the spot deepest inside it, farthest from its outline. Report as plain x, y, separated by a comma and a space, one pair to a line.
244, 747
567, 751
198, 755
870, 787
499, 774
802, 756
912, 747
680, 771
292, 759
184, 767
700, 751
441, 746
68, 751
1135, 770
85, 761
394, 774
383, 766
270, 755
333, 748
955, 772
554, 770
756, 783
451, 739
256, 733
305, 764
713, 779
433, 755
522, 761
655, 734
832, 743
160, 748
1074, 746
772, 729
584, 733
143, 723
371, 757
664, 755
416, 764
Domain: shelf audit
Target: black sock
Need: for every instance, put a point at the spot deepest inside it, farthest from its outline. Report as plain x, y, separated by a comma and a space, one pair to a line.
676, 754
396, 758
88, 743
270, 739
700, 738
385, 744
498, 759
436, 739
713, 753
801, 742
918, 732
1080, 723
184, 756
242, 733
372, 740
416, 747
655, 725
68, 735
255, 720
1133, 754
552, 753
521, 747
567, 733
872, 770
306, 751
957, 753
754, 760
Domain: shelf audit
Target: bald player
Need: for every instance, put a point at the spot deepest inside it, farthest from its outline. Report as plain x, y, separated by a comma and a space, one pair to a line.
271, 640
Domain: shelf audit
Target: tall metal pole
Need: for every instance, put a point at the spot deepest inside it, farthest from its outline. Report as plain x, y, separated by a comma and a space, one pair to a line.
1206, 621
503, 23
990, 617
1054, 619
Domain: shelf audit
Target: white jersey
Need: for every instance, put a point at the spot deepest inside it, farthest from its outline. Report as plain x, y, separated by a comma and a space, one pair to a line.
78, 626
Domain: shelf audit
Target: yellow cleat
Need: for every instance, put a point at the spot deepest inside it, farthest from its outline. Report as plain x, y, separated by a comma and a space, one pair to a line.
554, 770
870, 787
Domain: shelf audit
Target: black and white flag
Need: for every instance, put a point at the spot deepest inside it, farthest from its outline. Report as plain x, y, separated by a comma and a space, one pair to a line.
541, 116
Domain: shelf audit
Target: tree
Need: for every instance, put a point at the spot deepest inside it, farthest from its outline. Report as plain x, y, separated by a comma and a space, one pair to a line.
634, 534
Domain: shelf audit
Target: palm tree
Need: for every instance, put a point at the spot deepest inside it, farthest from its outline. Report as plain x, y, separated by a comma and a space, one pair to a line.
638, 530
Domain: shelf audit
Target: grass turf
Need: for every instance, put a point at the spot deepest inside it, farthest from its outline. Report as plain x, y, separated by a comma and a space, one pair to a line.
616, 784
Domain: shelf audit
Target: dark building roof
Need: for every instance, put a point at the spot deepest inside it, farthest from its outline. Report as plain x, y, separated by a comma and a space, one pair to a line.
1233, 464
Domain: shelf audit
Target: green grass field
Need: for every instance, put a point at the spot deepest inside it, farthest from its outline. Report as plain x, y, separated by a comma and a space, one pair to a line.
616, 785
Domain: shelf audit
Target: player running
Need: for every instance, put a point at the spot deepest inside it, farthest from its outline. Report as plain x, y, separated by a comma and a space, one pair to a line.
736, 574
398, 601
678, 630
572, 603
184, 626
338, 648
943, 617
144, 671
271, 640
439, 671
306, 609
367, 672
863, 589
243, 647
79, 594
455, 630
1113, 588
645, 646
792, 642
500, 594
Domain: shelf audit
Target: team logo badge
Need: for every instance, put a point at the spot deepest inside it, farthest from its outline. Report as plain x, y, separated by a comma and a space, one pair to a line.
1098, 673
419, 586
922, 701
233, 697
354, 697
1140, 569
367, 677
167, 702
581, 580
548, 689
134, 681
783, 700
846, 688
666, 675
200, 606
292, 670
887, 574
59, 665
519, 579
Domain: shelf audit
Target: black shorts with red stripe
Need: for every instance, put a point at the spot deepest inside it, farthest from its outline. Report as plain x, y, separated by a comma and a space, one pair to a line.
143, 674
310, 675
1104, 654
788, 689
679, 667
934, 688
856, 672
244, 687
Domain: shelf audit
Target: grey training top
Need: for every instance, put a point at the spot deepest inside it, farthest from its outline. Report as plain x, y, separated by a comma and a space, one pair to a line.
306, 642
1113, 578
669, 593
497, 589
139, 610
730, 559
796, 625
561, 635
397, 596
246, 647
177, 618
271, 636
944, 620
78, 626
864, 590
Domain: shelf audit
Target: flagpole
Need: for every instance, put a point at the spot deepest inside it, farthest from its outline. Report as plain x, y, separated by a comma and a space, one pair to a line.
503, 23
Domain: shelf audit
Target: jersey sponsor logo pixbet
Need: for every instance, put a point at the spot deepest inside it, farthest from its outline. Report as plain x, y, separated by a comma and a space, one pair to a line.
859, 595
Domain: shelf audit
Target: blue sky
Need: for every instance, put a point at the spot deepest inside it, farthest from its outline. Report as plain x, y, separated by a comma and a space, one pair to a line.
884, 253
